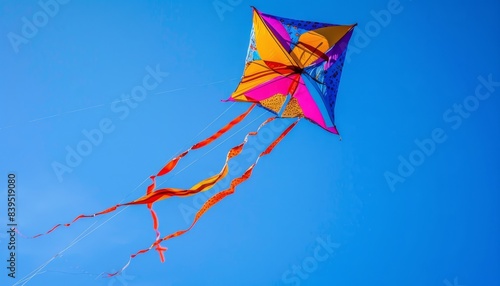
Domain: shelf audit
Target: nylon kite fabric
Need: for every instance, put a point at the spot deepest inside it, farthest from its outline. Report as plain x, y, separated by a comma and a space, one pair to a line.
294, 65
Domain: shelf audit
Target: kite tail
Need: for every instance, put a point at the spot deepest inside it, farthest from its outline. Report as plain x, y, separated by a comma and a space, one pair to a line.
108, 210
153, 196
173, 163
166, 169
212, 200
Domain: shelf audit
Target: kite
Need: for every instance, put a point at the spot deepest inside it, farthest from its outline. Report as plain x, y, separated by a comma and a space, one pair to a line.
293, 70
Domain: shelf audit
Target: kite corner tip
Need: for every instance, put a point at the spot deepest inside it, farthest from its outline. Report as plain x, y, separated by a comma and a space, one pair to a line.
338, 133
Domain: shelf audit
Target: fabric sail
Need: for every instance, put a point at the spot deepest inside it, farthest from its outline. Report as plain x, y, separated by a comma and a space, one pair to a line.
293, 67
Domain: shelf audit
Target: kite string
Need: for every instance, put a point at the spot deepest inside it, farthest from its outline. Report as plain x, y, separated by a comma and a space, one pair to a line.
38, 270
151, 188
212, 200
82, 236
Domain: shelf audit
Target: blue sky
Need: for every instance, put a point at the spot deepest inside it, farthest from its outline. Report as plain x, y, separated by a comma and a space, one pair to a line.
408, 197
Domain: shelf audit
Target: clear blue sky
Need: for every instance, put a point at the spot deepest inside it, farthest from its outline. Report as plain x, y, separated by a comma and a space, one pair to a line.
408, 197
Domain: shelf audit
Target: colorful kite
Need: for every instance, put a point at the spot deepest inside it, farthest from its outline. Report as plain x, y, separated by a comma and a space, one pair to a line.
292, 69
